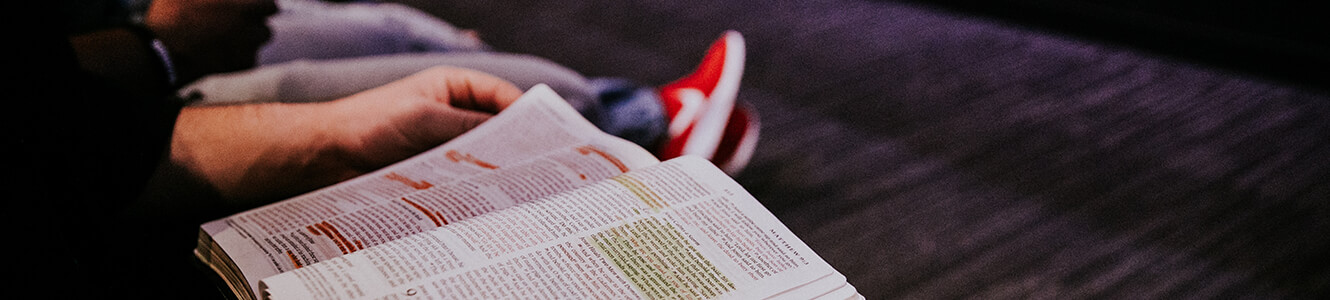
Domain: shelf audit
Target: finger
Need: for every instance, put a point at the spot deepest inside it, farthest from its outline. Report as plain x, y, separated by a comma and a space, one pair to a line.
448, 124
480, 91
475, 90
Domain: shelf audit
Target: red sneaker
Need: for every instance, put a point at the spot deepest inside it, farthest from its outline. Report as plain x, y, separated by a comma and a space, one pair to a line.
703, 120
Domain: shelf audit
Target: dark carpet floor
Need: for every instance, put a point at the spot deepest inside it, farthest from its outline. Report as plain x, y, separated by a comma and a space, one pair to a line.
929, 154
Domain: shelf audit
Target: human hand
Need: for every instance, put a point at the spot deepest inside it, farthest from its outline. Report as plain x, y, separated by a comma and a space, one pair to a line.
262, 152
210, 36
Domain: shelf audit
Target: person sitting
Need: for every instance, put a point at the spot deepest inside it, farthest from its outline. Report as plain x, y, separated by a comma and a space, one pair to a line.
321, 51
138, 168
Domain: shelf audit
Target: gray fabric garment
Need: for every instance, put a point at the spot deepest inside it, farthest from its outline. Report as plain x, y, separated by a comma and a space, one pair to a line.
322, 80
323, 51
306, 29
618, 107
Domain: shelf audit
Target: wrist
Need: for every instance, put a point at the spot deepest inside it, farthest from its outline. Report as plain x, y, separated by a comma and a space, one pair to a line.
258, 151
164, 60
123, 57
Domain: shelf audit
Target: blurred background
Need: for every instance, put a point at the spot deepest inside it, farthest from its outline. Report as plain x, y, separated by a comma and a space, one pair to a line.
1004, 149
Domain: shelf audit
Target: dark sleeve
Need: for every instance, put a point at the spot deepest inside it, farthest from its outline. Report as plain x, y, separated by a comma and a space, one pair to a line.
78, 149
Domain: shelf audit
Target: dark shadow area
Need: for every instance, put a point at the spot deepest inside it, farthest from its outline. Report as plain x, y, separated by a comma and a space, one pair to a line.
1284, 40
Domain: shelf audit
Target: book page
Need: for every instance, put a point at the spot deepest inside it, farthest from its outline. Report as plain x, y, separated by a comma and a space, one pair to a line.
680, 229
537, 147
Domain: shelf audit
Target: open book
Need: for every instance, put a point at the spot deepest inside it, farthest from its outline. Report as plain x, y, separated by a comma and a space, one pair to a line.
534, 203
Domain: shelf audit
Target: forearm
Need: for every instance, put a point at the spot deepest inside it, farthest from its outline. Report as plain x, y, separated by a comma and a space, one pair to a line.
286, 146
249, 154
